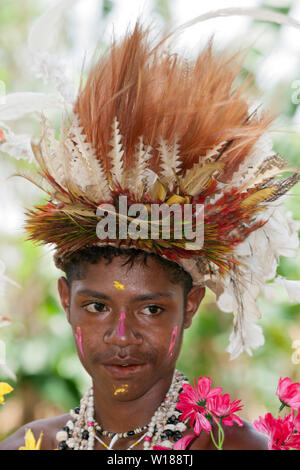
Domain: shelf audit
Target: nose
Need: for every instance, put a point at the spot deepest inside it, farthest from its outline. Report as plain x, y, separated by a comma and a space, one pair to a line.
123, 332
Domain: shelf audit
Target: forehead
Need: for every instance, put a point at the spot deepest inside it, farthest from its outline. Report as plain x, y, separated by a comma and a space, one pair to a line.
136, 278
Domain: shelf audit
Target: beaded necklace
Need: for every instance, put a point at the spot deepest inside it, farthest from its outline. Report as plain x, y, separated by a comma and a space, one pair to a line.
110, 446
164, 428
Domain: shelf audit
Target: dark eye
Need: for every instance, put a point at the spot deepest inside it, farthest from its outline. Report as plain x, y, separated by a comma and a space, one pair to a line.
95, 307
151, 310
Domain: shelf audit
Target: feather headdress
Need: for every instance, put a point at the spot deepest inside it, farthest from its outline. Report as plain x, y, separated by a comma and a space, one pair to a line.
159, 128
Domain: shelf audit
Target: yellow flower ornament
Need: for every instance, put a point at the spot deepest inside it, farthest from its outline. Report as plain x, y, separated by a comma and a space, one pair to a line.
30, 442
4, 389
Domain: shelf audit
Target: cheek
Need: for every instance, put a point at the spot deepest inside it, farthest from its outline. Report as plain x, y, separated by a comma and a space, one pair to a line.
173, 340
79, 339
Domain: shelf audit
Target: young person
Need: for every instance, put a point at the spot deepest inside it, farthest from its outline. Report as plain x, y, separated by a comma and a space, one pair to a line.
131, 371
150, 128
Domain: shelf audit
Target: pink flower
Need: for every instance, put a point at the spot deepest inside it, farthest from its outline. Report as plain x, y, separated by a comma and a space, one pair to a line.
221, 407
181, 444
264, 425
192, 403
297, 422
289, 393
282, 433
294, 442
160, 448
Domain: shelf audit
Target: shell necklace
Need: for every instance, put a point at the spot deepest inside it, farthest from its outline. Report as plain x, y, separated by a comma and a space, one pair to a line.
164, 428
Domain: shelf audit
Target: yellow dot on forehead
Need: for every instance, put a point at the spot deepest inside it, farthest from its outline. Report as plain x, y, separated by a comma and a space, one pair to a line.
122, 389
118, 285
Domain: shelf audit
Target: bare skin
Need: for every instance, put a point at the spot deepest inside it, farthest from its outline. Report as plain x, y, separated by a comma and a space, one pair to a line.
126, 396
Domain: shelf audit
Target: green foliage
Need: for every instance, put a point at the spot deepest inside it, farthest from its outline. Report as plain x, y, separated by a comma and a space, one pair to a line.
163, 8
107, 7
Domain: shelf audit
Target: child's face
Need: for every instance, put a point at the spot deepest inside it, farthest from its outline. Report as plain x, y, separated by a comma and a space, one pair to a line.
128, 324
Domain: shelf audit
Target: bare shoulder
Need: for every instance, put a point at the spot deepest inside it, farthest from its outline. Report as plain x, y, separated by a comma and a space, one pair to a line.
236, 438
244, 438
48, 428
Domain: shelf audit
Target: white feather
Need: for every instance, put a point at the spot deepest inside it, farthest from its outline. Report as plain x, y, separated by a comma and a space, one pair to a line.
53, 154
80, 174
53, 69
292, 288
211, 155
17, 145
150, 178
42, 34
116, 154
246, 337
170, 160
262, 149
239, 297
139, 174
41, 40
262, 14
4, 369
17, 105
92, 174
203, 161
279, 236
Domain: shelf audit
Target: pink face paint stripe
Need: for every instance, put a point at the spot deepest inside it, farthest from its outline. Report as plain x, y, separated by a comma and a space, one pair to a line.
78, 336
121, 327
173, 340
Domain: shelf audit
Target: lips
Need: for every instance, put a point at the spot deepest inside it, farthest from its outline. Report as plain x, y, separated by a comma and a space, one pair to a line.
123, 368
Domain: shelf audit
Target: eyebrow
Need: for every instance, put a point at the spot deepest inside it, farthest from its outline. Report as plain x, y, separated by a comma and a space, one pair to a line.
139, 298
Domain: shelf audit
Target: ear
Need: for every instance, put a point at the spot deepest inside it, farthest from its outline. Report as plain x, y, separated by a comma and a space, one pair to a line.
193, 301
64, 293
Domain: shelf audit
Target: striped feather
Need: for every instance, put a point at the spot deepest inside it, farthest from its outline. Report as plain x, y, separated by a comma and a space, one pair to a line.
139, 173
170, 160
87, 169
116, 154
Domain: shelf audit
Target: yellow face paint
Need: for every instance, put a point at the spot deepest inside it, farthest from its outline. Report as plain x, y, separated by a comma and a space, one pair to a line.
118, 285
122, 389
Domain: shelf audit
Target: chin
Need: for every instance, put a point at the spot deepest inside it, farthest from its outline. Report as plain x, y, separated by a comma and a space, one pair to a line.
125, 397
130, 391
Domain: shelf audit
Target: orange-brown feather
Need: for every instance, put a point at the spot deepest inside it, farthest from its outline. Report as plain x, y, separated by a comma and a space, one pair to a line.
161, 94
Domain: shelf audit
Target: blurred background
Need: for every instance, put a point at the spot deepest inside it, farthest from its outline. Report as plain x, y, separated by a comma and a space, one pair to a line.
39, 345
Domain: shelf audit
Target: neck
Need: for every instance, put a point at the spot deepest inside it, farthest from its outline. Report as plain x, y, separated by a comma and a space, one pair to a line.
121, 416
